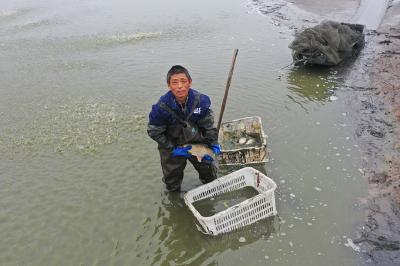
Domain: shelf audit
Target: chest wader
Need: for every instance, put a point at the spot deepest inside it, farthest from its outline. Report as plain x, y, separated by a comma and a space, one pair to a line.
183, 133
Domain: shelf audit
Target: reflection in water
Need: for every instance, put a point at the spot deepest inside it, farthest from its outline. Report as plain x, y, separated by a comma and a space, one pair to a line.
178, 241
311, 84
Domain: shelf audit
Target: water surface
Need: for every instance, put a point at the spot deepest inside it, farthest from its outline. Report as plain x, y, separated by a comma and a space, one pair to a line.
80, 181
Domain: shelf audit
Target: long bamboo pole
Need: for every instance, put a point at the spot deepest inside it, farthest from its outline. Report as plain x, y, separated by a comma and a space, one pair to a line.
228, 84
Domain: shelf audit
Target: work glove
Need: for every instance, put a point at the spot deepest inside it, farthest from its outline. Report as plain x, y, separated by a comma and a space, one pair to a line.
207, 158
182, 151
216, 148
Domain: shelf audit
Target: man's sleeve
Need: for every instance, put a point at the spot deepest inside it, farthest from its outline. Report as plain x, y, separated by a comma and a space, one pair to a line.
157, 128
206, 123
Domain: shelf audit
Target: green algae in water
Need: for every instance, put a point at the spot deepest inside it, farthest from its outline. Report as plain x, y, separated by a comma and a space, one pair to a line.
210, 206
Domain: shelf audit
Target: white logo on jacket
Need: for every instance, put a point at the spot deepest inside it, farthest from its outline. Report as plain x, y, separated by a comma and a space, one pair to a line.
197, 110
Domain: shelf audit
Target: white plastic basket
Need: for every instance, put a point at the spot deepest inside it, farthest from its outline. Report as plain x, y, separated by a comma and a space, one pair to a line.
241, 214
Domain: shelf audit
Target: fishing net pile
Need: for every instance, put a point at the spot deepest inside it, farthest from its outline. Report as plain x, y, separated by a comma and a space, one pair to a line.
328, 43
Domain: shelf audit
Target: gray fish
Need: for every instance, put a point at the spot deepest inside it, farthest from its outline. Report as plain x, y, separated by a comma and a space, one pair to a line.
250, 141
242, 140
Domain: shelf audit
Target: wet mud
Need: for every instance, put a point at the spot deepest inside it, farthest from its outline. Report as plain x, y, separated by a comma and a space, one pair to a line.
381, 234
374, 82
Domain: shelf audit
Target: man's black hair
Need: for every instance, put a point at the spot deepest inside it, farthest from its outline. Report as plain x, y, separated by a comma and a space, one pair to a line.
177, 69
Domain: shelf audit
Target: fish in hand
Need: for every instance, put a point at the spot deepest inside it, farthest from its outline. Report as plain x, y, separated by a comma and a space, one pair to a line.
199, 150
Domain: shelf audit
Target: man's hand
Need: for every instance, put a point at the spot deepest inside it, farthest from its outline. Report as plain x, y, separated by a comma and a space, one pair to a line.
182, 151
216, 148
207, 158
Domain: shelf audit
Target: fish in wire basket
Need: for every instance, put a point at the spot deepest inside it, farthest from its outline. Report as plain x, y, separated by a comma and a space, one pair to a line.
199, 150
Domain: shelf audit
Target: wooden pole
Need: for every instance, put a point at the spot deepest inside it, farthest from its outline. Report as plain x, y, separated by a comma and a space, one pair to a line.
228, 84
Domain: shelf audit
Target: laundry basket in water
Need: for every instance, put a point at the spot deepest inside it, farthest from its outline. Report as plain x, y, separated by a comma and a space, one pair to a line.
243, 142
246, 212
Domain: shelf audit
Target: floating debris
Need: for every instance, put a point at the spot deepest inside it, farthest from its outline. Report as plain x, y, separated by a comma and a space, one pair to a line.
351, 244
242, 239
333, 98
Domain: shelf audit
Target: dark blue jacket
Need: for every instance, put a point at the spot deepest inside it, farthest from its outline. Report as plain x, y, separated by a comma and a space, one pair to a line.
160, 120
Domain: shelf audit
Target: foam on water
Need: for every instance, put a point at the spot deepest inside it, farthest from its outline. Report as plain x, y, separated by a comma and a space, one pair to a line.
12, 13
32, 25
123, 37
8, 13
74, 43
82, 126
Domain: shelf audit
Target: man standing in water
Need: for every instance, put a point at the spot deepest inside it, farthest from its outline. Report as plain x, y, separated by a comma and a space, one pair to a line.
183, 116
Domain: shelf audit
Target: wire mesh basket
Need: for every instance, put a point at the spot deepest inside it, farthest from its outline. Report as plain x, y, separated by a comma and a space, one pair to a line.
243, 142
244, 213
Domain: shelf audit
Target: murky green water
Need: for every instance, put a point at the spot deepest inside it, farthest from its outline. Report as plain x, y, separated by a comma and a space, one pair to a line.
80, 181
210, 206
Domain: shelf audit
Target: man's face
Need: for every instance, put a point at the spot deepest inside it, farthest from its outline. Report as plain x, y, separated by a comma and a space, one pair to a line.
179, 85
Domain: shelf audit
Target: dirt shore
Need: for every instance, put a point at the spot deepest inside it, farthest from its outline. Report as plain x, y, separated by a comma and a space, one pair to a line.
375, 80
381, 234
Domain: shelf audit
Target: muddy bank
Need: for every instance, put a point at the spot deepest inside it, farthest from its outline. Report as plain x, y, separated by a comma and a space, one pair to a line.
375, 80
381, 234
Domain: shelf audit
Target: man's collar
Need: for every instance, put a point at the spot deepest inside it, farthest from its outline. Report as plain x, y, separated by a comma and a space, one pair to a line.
190, 92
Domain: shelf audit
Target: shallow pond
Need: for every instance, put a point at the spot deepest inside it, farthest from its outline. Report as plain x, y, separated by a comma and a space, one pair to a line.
80, 181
